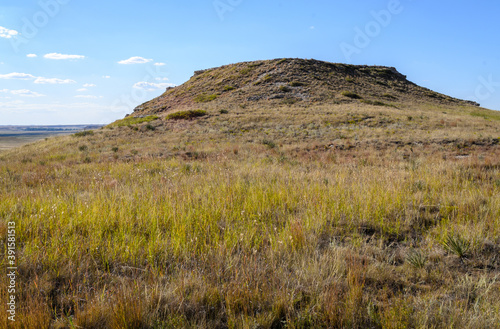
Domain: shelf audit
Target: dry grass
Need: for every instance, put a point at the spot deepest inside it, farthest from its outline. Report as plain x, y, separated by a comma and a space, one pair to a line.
344, 223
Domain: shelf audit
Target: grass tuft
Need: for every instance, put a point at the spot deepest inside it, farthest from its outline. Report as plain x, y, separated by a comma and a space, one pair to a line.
351, 94
84, 133
130, 121
457, 245
205, 98
269, 143
416, 259
186, 115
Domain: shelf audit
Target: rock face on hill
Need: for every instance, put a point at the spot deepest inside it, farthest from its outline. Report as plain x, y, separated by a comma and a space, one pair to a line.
291, 81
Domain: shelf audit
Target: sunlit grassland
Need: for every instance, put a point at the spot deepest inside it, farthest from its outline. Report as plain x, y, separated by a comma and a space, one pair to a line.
298, 217
238, 241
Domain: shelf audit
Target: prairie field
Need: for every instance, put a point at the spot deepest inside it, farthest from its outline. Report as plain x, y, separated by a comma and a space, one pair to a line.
340, 216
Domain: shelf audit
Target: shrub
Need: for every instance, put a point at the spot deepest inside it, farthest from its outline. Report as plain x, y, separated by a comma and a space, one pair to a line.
204, 98
389, 96
351, 95
186, 115
246, 70
285, 89
432, 94
83, 148
269, 143
129, 121
290, 101
296, 84
84, 133
150, 127
266, 78
224, 111
229, 88
376, 103
383, 72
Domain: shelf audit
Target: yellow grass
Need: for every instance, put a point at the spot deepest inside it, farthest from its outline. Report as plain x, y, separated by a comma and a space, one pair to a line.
200, 224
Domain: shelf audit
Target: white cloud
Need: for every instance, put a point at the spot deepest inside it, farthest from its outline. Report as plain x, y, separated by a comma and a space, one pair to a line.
62, 56
106, 77
53, 81
82, 89
161, 79
32, 55
38, 80
135, 60
89, 85
160, 64
150, 86
6, 33
86, 96
26, 93
16, 75
4, 90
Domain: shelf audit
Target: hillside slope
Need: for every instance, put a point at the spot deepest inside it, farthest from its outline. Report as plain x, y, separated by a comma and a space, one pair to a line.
263, 195
288, 81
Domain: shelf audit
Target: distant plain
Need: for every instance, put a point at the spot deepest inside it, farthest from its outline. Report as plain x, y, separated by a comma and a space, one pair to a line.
16, 136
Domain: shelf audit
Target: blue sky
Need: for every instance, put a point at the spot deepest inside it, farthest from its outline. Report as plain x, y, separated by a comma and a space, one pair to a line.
77, 62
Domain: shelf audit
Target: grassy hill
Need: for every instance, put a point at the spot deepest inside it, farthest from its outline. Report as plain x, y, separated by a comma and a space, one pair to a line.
291, 81
274, 194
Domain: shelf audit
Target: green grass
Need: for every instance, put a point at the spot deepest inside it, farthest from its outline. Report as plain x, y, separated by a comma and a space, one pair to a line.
291, 216
487, 115
186, 115
246, 239
457, 245
416, 259
351, 94
389, 96
285, 89
246, 70
205, 98
269, 143
84, 133
130, 121
383, 73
